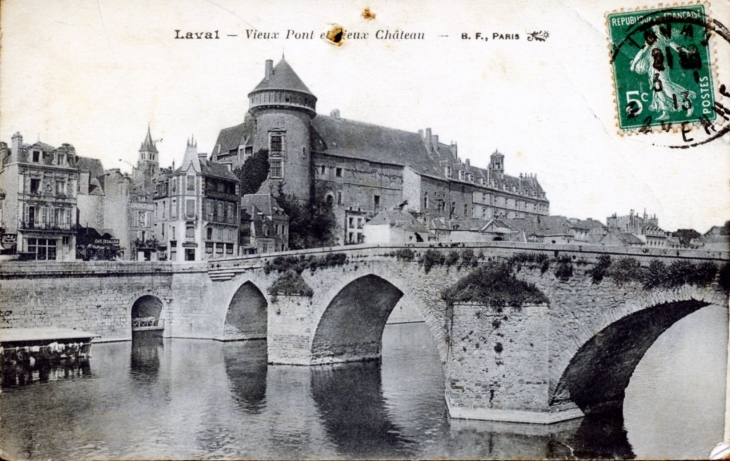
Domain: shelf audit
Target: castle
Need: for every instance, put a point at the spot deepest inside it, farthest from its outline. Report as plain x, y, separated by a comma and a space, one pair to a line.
363, 169
50, 196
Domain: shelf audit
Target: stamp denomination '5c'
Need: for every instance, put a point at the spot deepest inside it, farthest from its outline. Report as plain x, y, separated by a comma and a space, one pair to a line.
662, 67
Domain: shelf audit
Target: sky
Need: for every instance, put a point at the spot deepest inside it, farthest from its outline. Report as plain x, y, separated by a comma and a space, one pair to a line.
95, 73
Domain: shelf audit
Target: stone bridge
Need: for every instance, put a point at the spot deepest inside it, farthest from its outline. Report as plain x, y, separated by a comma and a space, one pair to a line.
536, 363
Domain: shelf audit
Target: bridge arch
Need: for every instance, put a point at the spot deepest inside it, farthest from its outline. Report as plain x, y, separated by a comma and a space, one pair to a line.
599, 371
350, 328
147, 310
246, 315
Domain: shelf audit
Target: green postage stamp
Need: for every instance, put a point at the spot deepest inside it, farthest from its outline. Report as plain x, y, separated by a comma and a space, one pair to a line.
662, 68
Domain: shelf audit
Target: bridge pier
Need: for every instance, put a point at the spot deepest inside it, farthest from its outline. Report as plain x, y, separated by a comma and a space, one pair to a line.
291, 323
498, 365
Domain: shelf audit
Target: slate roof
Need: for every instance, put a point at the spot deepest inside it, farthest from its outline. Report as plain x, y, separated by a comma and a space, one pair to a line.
92, 165
393, 217
265, 203
41, 145
358, 140
623, 237
217, 170
283, 78
232, 137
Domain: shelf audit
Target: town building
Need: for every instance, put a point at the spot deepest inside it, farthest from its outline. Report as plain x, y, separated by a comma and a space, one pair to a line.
362, 168
645, 228
197, 209
264, 225
392, 226
39, 201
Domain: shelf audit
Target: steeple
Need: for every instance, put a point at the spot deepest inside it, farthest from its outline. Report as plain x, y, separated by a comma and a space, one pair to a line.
147, 163
148, 145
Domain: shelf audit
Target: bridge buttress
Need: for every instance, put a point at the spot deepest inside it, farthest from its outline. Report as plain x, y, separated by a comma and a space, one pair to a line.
498, 365
291, 322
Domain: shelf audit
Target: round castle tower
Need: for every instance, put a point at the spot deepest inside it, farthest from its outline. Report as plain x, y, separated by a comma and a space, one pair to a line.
283, 108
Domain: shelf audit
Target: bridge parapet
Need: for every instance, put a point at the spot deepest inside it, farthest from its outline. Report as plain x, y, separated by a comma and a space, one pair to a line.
232, 266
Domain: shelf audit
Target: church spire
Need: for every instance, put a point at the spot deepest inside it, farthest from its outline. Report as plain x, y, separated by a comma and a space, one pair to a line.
148, 145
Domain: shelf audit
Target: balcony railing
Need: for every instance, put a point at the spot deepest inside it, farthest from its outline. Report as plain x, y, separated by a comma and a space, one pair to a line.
48, 226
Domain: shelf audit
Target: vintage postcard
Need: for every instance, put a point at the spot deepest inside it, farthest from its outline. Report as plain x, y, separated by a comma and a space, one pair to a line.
236, 229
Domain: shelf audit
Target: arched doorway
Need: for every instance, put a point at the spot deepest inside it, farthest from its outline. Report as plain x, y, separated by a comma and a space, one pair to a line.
246, 317
146, 315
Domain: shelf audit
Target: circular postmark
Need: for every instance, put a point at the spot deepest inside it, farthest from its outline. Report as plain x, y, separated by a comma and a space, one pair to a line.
664, 73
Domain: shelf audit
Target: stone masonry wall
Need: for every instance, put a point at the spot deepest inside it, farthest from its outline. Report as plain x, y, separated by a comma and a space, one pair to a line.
290, 330
95, 297
499, 358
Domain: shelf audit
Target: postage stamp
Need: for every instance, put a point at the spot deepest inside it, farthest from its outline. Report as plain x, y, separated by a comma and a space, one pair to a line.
662, 67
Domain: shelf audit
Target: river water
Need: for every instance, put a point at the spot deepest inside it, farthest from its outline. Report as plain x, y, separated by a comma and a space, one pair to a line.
206, 399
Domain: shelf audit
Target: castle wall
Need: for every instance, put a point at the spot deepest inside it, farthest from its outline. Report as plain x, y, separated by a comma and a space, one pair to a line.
296, 155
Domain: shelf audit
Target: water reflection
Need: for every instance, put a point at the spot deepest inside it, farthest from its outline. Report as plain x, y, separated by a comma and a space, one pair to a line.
145, 357
206, 399
246, 369
601, 436
350, 401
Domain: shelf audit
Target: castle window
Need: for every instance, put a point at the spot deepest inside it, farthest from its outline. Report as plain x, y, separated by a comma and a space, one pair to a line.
338, 172
189, 231
322, 170
425, 201
276, 143
466, 210
275, 171
61, 187
339, 198
376, 202
191, 183
36, 156
210, 233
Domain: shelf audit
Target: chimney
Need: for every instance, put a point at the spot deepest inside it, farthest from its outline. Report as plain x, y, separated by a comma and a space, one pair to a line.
435, 140
420, 133
269, 70
428, 140
202, 155
335, 114
16, 145
454, 149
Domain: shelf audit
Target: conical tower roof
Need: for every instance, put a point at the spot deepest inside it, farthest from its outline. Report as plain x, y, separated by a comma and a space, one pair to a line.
283, 77
148, 145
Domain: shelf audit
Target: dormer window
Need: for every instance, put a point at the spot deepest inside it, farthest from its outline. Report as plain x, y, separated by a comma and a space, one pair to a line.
36, 156
447, 171
461, 175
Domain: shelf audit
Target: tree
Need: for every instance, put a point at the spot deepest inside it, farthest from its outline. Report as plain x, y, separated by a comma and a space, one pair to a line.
253, 172
311, 225
685, 236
